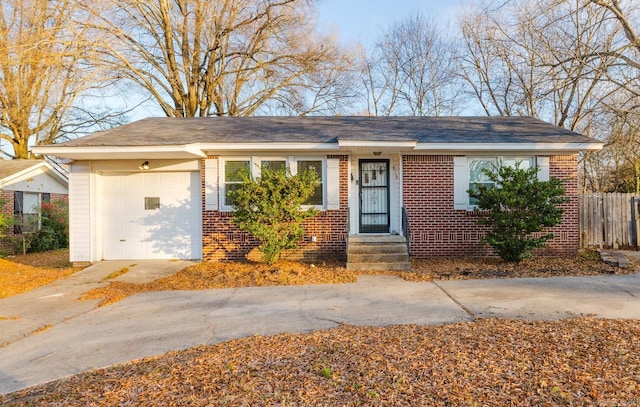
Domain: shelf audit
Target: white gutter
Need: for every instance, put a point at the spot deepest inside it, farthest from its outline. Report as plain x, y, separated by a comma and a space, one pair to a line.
508, 146
265, 146
121, 152
378, 143
199, 150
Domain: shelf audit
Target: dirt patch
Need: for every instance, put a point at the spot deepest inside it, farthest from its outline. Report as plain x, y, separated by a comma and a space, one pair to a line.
466, 268
581, 361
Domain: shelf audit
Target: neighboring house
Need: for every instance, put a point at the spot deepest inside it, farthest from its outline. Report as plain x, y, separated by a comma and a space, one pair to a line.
24, 186
158, 187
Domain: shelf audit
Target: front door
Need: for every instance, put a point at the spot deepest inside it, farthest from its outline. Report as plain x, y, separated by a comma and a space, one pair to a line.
374, 196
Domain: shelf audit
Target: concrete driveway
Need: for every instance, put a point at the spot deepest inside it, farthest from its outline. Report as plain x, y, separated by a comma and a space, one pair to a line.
155, 323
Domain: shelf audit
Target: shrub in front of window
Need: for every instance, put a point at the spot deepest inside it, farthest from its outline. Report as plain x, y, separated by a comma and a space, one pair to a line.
54, 231
269, 207
45, 229
517, 206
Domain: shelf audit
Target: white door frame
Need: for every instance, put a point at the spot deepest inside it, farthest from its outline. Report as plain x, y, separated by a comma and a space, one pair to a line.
395, 191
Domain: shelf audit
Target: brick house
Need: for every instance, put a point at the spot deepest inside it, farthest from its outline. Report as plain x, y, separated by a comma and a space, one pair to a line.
158, 187
24, 186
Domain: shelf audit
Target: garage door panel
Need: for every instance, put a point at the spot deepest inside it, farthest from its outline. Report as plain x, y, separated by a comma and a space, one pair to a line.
132, 231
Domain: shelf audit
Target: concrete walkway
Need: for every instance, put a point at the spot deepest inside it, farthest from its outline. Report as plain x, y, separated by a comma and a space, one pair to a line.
82, 337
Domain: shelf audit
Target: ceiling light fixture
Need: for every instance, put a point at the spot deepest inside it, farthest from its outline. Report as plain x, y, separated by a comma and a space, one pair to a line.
144, 165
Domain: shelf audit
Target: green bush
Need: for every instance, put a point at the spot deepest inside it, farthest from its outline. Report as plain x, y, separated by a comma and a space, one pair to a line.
51, 233
270, 208
5, 221
518, 206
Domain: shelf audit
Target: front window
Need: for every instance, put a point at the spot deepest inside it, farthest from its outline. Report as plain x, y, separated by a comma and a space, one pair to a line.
274, 165
477, 166
26, 206
317, 197
477, 176
233, 167
233, 178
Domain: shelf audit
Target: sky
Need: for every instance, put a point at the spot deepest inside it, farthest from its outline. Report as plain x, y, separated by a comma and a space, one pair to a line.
361, 20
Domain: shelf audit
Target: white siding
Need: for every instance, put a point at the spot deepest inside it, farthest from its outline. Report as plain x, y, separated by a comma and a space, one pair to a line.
39, 181
80, 212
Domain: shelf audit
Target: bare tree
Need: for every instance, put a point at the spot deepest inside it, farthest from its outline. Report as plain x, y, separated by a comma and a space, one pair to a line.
624, 48
524, 58
43, 72
223, 57
411, 70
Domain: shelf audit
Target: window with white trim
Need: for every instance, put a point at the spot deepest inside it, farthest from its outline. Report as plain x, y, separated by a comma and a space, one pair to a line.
274, 164
232, 179
478, 177
26, 208
469, 175
317, 198
232, 167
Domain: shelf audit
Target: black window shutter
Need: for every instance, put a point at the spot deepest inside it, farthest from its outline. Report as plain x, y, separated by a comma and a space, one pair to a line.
18, 203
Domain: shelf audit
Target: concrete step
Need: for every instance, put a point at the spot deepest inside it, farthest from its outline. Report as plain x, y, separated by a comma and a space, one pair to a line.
373, 239
359, 248
614, 258
378, 266
377, 253
401, 257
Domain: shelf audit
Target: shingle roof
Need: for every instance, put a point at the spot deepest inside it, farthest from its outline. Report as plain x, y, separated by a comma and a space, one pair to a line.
10, 167
325, 129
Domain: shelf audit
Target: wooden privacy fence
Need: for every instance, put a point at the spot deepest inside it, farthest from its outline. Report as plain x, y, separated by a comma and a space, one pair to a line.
609, 220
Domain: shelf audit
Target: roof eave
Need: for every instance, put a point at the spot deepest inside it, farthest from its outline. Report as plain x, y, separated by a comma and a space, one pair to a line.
407, 144
17, 175
269, 146
25, 173
195, 151
507, 147
121, 152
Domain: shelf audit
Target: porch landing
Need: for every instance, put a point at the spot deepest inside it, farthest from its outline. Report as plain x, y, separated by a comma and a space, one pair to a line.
377, 253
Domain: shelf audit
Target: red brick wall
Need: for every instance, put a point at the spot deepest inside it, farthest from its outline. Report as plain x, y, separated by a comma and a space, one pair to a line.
59, 197
437, 230
567, 240
223, 240
6, 210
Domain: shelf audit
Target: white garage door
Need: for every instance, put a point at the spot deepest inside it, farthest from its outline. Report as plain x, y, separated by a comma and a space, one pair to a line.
151, 216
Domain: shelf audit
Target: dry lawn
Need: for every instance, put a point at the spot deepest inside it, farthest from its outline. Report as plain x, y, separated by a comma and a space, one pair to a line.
23, 273
210, 275
575, 362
